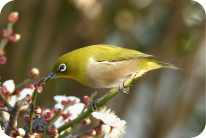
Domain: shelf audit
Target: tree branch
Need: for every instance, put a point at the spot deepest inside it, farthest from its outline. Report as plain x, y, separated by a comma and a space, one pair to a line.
14, 114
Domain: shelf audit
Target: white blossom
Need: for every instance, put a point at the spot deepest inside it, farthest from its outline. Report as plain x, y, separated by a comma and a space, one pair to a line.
69, 113
108, 117
10, 86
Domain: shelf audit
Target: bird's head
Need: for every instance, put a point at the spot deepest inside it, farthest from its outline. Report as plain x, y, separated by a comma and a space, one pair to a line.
60, 69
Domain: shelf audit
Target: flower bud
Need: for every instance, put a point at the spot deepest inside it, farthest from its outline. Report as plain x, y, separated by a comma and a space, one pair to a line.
37, 135
3, 90
13, 17
91, 132
10, 86
105, 128
2, 52
4, 33
37, 110
13, 136
86, 100
14, 38
52, 130
33, 73
2, 104
30, 100
36, 84
31, 135
60, 112
39, 89
86, 121
99, 132
26, 118
30, 85
47, 116
3, 60
21, 132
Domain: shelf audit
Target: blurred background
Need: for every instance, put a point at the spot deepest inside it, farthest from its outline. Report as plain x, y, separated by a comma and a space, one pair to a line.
163, 104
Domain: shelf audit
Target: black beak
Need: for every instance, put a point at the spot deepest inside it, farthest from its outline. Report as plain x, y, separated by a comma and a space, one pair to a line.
52, 75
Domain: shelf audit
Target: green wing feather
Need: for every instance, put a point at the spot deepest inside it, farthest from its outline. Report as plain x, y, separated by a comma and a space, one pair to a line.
113, 53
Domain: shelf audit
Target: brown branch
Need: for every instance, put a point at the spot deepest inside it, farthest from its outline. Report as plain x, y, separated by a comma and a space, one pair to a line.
14, 114
4, 109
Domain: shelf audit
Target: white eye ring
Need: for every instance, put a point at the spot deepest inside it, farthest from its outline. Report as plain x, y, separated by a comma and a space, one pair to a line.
62, 67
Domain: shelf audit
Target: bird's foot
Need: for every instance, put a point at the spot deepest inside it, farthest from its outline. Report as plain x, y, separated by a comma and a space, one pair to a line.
93, 104
121, 87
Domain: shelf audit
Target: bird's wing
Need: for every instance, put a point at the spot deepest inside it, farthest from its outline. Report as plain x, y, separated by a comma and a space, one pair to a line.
112, 54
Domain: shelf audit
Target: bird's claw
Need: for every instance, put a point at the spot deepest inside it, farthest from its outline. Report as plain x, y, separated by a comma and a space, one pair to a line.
121, 87
93, 105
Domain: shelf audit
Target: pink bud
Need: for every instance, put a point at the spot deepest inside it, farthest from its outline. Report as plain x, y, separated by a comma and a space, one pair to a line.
86, 100
2, 52
4, 33
37, 110
39, 89
14, 38
31, 135
2, 59
13, 17
21, 132
34, 72
2, 104
91, 132
99, 132
47, 116
26, 118
30, 85
86, 121
60, 112
13, 136
3, 90
36, 84
52, 130
37, 135
30, 100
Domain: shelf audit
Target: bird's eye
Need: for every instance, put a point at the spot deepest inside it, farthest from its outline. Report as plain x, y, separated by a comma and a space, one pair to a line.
62, 67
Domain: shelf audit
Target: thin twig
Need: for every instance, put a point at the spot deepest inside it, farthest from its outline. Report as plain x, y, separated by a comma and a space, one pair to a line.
33, 104
4, 100
24, 82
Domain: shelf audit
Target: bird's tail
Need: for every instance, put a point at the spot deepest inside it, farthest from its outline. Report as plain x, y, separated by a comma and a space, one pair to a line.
151, 64
167, 65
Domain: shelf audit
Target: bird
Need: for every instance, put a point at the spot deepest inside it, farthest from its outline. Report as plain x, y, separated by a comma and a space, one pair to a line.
104, 66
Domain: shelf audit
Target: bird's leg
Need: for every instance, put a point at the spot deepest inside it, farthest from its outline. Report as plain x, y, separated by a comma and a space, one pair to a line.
121, 85
93, 104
